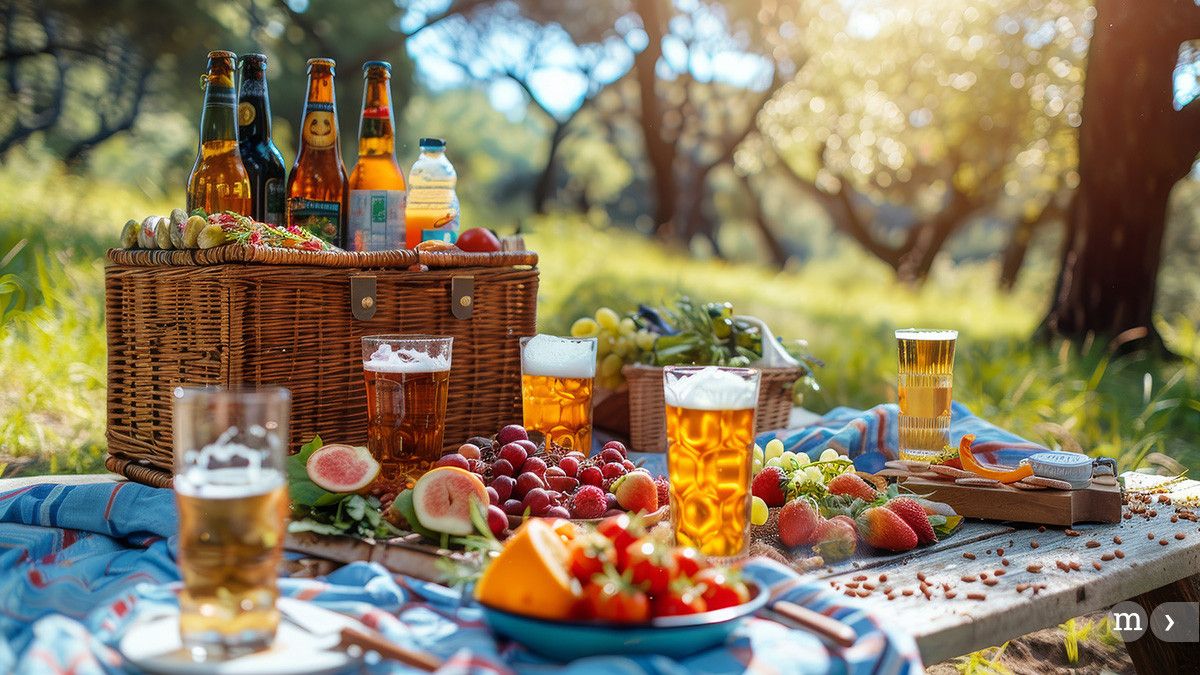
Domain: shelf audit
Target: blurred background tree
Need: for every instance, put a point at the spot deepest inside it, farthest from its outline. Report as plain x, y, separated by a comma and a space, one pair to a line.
914, 131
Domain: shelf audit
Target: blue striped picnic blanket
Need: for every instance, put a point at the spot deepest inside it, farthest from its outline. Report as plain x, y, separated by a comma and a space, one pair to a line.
869, 437
79, 564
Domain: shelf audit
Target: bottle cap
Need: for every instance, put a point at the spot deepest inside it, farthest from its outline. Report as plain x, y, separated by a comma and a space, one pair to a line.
321, 61
432, 143
377, 64
260, 59
221, 54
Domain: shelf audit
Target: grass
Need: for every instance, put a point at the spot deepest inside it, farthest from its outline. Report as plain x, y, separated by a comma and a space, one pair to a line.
1132, 408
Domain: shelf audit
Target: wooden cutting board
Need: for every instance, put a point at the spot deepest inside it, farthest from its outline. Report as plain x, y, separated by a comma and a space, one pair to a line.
1094, 504
408, 555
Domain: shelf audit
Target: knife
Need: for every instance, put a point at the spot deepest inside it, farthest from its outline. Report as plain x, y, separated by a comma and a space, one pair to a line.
323, 622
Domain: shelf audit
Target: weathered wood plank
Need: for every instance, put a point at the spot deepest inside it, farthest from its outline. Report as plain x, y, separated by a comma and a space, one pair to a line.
948, 627
1098, 503
1151, 655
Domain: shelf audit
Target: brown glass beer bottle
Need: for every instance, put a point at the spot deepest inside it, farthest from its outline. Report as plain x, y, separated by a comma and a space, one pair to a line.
377, 188
218, 181
317, 191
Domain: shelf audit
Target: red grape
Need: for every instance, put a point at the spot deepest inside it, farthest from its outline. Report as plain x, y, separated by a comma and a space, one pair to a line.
629, 466
611, 455
528, 481
503, 485
514, 507
558, 512
618, 446
470, 451
454, 459
538, 501
514, 453
534, 465
496, 520
502, 467
591, 475
569, 466
512, 432
612, 470
493, 495
530, 446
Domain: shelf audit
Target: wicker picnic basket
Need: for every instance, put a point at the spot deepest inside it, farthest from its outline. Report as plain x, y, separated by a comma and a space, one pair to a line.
647, 406
237, 315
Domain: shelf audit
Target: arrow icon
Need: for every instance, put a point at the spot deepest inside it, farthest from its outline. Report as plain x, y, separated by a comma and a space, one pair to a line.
1170, 622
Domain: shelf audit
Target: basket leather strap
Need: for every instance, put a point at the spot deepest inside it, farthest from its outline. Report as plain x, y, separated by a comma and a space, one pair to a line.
462, 296
362, 296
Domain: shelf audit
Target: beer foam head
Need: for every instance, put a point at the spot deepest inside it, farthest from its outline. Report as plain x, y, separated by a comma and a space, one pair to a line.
226, 468
387, 360
925, 334
710, 388
550, 356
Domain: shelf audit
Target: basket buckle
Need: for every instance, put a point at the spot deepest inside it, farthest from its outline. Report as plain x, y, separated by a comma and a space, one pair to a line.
362, 297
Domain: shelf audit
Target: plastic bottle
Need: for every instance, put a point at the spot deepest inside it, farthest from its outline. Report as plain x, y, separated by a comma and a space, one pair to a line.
431, 212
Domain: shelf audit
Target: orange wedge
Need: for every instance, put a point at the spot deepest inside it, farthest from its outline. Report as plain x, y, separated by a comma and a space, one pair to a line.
530, 575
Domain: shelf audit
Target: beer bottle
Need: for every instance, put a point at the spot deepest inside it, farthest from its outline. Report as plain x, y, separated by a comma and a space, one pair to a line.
263, 161
218, 181
376, 182
317, 192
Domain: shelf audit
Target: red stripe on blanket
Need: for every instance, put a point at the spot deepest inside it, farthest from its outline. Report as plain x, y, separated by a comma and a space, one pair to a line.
880, 426
17, 492
112, 498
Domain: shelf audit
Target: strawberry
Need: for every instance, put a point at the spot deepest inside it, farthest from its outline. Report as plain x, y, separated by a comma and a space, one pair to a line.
798, 520
885, 530
664, 491
913, 514
768, 486
853, 485
836, 538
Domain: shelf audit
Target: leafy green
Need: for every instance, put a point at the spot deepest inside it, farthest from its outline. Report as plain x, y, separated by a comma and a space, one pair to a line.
404, 506
315, 509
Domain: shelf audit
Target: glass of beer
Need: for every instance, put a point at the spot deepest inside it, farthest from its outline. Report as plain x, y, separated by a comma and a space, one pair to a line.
407, 378
556, 389
926, 379
230, 446
710, 434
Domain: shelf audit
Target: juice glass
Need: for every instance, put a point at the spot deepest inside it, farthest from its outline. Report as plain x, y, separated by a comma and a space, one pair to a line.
710, 433
926, 379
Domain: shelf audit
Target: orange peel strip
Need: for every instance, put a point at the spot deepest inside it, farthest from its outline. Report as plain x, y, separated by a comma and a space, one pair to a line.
1004, 475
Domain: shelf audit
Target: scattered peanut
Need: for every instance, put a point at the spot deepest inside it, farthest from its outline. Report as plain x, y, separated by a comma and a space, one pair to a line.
1107, 556
1180, 536
1096, 565
976, 596
990, 582
1033, 543
1119, 553
969, 556
1162, 542
1092, 544
1071, 533
968, 578
1034, 568
1004, 561
1117, 540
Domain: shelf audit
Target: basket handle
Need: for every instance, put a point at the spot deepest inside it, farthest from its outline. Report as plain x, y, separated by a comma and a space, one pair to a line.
462, 296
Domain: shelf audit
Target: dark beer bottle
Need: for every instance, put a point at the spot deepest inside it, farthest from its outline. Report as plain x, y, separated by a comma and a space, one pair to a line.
218, 181
316, 192
263, 161
376, 183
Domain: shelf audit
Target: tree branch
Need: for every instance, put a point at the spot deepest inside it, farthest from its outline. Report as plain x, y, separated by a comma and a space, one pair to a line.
758, 216
108, 128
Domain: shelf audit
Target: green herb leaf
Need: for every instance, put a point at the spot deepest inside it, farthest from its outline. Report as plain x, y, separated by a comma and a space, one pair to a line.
404, 504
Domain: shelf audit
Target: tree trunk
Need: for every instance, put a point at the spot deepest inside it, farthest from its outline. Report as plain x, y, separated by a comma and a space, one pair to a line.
545, 187
660, 153
1133, 148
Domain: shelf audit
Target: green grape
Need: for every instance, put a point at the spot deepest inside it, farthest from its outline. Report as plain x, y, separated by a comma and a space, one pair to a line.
758, 511
611, 366
645, 340
585, 328
758, 454
627, 327
608, 319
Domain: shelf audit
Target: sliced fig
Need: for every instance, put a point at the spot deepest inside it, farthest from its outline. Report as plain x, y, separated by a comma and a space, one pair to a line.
342, 468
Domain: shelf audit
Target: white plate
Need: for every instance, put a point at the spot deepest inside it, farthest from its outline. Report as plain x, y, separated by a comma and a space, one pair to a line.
153, 646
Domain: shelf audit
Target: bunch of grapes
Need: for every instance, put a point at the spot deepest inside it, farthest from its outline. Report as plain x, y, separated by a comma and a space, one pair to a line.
619, 341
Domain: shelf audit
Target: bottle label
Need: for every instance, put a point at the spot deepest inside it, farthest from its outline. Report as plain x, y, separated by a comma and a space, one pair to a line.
318, 217
376, 220
273, 190
320, 128
246, 113
376, 112
219, 97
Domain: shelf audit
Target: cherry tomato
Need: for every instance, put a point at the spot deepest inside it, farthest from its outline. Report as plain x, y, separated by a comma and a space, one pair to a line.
589, 552
688, 561
651, 564
478, 240
680, 599
621, 531
612, 598
723, 588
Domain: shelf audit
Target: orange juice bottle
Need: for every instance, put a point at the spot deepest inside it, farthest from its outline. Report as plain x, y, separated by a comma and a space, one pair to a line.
431, 211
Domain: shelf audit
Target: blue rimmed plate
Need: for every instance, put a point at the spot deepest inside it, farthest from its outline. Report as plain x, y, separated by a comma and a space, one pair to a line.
673, 636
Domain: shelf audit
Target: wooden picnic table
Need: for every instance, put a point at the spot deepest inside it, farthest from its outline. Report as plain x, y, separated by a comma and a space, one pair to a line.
1150, 573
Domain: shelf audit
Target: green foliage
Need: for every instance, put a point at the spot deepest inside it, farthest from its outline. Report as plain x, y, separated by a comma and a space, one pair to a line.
315, 509
983, 662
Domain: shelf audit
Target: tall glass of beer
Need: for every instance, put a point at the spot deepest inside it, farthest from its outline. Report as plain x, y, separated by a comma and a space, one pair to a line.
407, 378
710, 433
230, 446
556, 389
924, 389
